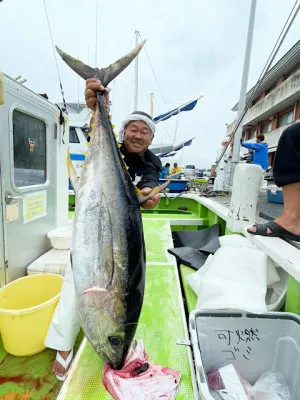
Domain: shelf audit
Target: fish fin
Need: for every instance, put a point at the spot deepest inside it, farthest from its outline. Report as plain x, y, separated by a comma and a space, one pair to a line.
96, 289
138, 191
78, 66
72, 172
105, 75
144, 197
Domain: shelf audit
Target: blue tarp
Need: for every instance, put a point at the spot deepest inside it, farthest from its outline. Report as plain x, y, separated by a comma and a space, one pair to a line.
184, 144
187, 107
176, 148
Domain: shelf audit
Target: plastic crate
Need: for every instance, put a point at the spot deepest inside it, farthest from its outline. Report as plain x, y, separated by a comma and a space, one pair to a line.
275, 195
254, 344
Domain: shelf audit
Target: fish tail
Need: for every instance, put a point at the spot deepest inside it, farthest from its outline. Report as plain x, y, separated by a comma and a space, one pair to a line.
105, 75
144, 197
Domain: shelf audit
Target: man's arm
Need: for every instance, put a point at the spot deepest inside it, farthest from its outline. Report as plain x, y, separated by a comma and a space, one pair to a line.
149, 179
146, 184
252, 146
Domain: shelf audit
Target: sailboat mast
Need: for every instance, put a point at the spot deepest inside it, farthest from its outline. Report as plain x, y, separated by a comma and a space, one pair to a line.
151, 105
243, 91
137, 33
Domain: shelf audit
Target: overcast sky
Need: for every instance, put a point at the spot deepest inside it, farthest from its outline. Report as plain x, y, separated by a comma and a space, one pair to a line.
196, 48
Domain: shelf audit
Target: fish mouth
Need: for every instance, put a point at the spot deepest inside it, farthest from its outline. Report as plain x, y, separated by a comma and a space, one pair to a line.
117, 366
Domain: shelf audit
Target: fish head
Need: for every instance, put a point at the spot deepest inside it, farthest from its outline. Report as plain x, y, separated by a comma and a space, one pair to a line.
103, 317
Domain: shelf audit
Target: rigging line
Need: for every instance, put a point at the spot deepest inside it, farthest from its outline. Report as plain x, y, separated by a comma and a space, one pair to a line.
258, 83
271, 58
96, 39
59, 78
159, 87
166, 129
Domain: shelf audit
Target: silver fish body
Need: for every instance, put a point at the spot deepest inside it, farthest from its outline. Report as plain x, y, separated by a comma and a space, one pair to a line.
108, 250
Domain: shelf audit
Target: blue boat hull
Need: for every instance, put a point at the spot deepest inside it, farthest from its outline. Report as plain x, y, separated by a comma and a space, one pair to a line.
176, 185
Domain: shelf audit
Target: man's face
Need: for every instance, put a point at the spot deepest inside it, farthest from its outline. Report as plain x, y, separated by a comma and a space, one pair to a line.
137, 137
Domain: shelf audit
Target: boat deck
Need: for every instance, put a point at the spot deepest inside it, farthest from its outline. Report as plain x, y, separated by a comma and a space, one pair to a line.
29, 378
162, 322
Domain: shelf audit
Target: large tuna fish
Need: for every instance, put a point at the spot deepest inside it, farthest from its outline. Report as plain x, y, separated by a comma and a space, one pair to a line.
108, 250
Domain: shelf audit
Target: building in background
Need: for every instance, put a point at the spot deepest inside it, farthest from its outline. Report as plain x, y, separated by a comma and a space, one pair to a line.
277, 103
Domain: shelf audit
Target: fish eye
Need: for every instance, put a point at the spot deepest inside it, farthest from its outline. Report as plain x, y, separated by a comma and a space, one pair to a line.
115, 341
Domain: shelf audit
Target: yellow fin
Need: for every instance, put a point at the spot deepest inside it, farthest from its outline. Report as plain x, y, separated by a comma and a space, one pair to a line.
138, 191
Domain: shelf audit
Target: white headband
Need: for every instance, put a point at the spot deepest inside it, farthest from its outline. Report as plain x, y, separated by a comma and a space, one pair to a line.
135, 117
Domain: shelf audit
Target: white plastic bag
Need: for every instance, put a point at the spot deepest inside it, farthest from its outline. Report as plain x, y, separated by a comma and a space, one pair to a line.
236, 279
194, 279
270, 386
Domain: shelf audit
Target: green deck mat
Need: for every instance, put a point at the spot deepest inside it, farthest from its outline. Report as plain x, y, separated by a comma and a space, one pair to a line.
30, 378
161, 324
190, 297
158, 239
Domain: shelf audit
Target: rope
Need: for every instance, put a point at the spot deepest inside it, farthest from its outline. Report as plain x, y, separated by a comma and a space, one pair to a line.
159, 110
59, 78
258, 83
173, 198
151, 66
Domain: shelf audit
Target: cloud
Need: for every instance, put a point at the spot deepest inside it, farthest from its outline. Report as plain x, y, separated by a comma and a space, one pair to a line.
195, 47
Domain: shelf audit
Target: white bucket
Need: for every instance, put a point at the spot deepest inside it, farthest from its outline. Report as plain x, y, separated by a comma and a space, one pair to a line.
61, 238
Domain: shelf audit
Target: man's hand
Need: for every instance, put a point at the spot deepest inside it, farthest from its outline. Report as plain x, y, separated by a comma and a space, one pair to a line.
92, 87
151, 203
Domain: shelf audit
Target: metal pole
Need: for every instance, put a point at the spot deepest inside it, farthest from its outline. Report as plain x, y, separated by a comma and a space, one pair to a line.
136, 73
243, 91
151, 105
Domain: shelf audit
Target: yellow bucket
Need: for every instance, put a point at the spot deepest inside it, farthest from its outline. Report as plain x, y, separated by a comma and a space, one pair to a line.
26, 309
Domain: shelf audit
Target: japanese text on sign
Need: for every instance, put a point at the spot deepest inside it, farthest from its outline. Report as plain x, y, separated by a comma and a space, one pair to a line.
34, 206
239, 342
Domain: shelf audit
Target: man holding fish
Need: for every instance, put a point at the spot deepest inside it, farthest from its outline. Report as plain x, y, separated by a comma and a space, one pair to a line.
136, 135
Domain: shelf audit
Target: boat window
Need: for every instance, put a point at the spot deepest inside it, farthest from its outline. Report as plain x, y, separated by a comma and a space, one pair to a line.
29, 149
190, 167
73, 137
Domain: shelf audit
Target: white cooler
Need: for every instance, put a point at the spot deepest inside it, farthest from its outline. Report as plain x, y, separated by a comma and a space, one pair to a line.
54, 262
